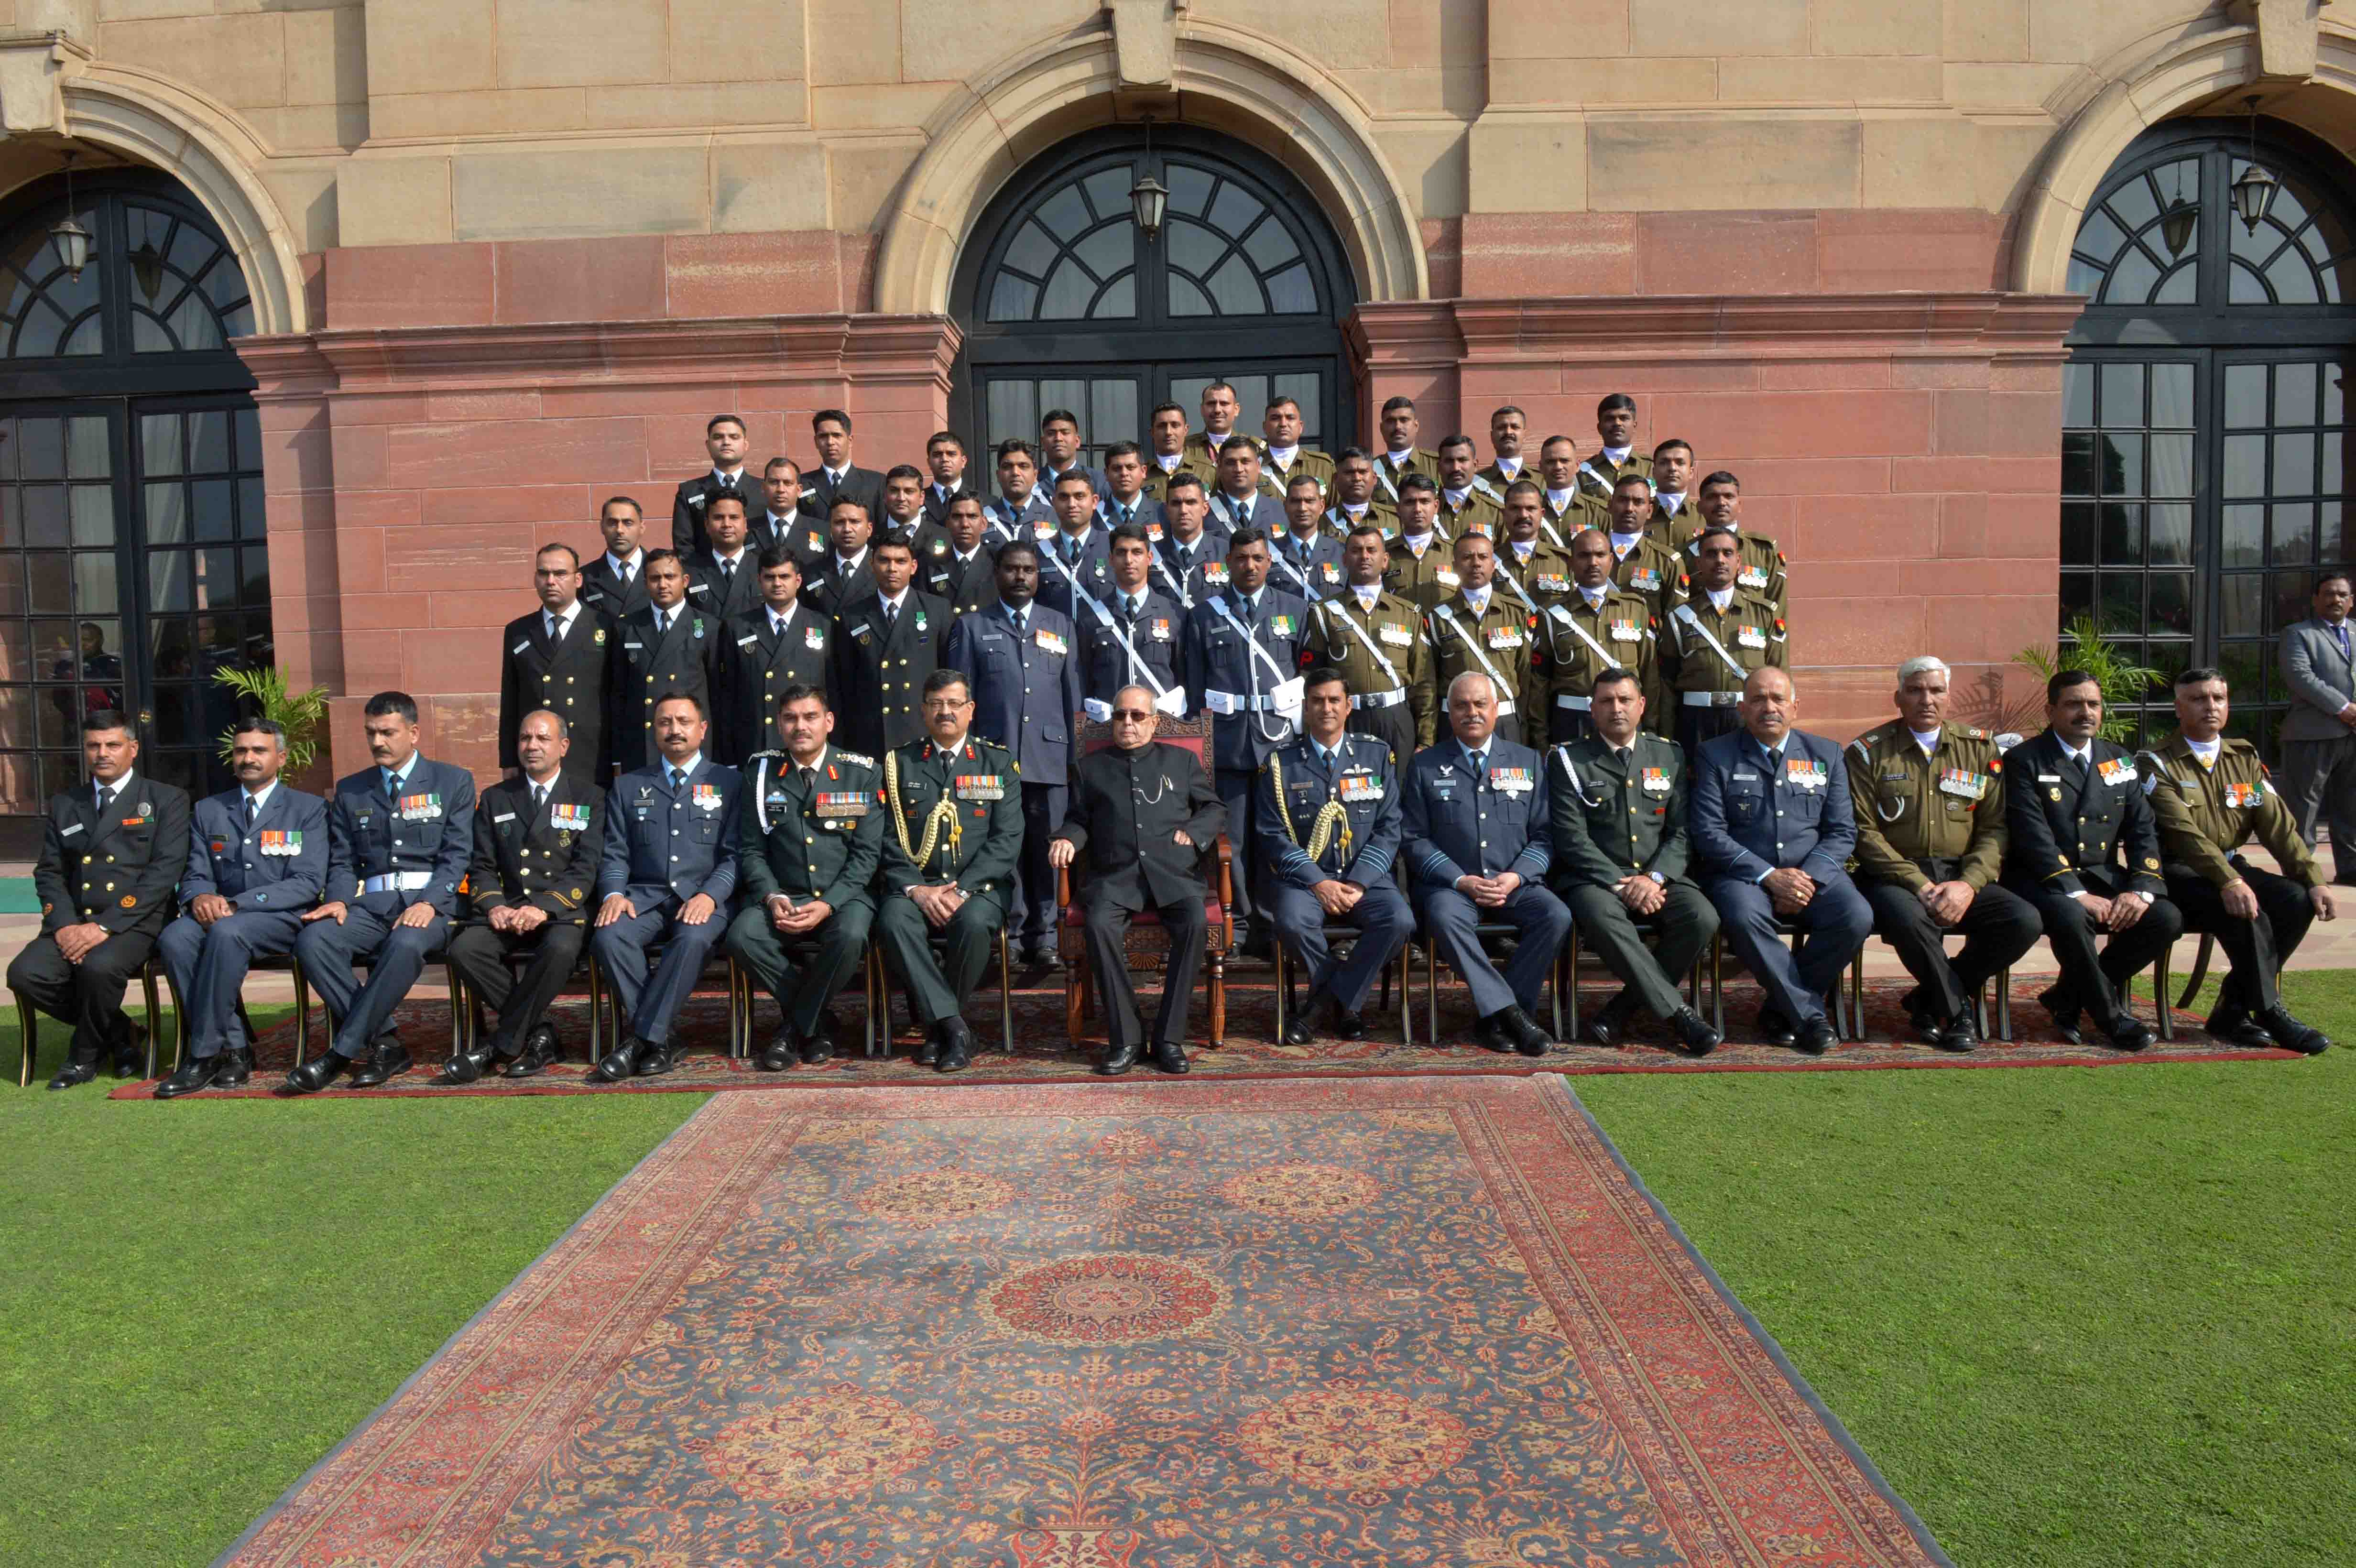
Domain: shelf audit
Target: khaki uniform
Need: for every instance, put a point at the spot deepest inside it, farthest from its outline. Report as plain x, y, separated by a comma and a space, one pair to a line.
2205, 815
1598, 474
1582, 511
1936, 817
1762, 572
1379, 512
1693, 674
1203, 459
1565, 662
1157, 482
1480, 514
1498, 478
1318, 466
1420, 460
1422, 580
1494, 642
1544, 578
1395, 627
1654, 569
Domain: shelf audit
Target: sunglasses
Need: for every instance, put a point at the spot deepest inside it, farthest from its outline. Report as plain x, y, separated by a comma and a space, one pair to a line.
1134, 715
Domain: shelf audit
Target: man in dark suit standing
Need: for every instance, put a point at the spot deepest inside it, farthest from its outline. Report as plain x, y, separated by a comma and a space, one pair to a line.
112, 853
538, 838
837, 580
669, 869
400, 835
962, 571
1143, 813
1022, 665
779, 643
614, 584
2319, 728
944, 455
2082, 848
558, 657
1773, 828
836, 477
722, 582
668, 649
724, 439
786, 514
884, 646
258, 860
1059, 453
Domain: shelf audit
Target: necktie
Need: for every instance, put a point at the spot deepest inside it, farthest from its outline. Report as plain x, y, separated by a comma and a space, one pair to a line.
891, 617
2340, 632
809, 778
1021, 621
1071, 550
1134, 604
662, 621
105, 799
727, 572
250, 814
1627, 755
539, 799
677, 777
2078, 763
1129, 514
391, 786
629, 573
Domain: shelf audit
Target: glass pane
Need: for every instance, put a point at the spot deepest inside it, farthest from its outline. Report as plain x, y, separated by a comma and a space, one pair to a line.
1192, 248
2122, 602
254, 589
1113, 412
216, 578
2293, 279
1069, 293
2293, 465
2246, 466
2171, 464
45, 515
93, 514
2295, 394
215, 508
2246, 396
2077, 533
15, 718
1012, 299
48, 583
160, 444
2122, 397
2172, 397
2172, 601
2077, 594
1108, 251
1185, 299
2170, 658
2122, 465
168, 580
208, 441
2241, 602
42, 448
2334, 376
2132, 281
2244, 538
2077, 394
1117, 302
171, 643
2181, 285
1107, 189
1235, 290
249, 438
1068, 394
1308, 390
86, 452
2100, 238
2292, 592
2243, 286
2294, 535
1064, 214
1270, 244
2171, 535
1234, 210
168, 513
150, 335
13, 600
1190, 188
2122, 534
12, 522
176, 716
2077, 463
1292, 292
253, 509
1032, 251
94, 585
2332, 539
2333, 451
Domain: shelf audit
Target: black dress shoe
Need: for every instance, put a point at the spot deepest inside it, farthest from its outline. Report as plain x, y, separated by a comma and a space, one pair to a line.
73, 1074
1528, 1039
817, 1048
1777, 1029
956, 1053
2063, 1012
1298, 1029
656, 1060
784, 1050
1605, 1027
1696, 1036
538, 1054
618, 1064
194, 1073
1119, 1060
2293, 1035
466, 1066
1493, 1033
1960, 1034
317, 1073
2237, 1028
1349, 1026
2127, 1033
233, 1068
1815, 1038
385, 1063
928, 1054
1169, 1056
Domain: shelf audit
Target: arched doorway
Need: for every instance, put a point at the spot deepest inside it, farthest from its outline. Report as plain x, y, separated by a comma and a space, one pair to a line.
2205, 458
133, 557
1065, 304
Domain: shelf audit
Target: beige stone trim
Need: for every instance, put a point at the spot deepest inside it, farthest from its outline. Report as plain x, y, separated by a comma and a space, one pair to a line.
153, 121
1224, 76
2191, 69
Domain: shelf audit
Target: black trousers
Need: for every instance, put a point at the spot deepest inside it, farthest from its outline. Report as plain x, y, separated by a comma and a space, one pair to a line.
2258, 948
480, 955
88, 995
1568, 726
1997, 929
1394, 725
1107, 938
1684, 924
2094, 982
1696, 725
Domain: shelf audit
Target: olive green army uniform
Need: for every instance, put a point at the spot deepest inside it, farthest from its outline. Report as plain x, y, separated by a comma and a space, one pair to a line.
1379, 512
1705, 655
1575, 641
819, 837
1421, 580
1598, 474
1495, 642
1538, 579
950, 818
1386, 659
1478, 513
1651, 568
1318, 466
1616, 816
1761, 571
1420, 460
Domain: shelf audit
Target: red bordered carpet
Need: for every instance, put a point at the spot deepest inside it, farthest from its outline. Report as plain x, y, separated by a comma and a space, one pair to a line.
1042, 1056
1324, 1322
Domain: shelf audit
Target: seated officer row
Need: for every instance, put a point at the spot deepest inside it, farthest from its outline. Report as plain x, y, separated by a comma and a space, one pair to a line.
1916, 836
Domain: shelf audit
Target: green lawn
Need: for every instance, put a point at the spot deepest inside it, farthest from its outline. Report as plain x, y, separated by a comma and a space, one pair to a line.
2101, 1318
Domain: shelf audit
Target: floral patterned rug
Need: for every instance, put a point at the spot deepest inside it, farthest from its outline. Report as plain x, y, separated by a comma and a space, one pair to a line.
1377, 1321
1041, 1054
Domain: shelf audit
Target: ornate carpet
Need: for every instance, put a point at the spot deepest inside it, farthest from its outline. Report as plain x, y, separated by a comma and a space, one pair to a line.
1379, 1321
1041, 1054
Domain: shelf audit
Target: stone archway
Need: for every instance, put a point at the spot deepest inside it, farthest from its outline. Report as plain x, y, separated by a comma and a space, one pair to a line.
1223, 79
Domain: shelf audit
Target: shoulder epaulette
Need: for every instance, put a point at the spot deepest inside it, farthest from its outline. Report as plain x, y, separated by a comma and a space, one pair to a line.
1972, 732
863, 760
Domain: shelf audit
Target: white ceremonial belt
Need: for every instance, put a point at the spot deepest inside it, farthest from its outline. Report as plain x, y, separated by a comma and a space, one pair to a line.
398, 882
1379, 699
1710, 698
1576, 704
1504, 706
1238, 702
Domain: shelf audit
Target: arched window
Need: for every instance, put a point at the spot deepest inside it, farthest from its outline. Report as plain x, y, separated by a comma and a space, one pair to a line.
1066, 302
134, 557
2203, 460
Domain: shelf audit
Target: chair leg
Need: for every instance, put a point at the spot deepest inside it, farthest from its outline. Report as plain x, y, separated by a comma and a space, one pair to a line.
155, 1014
597, 1016
1555, 1001
1284, 989
1075, 999
2004, 1003
1005, 994
879, 1007
1568, 980
1857, 995
302, 1014
1717, 984
2200, 969
457, 989
2159, 994
1216, 977
28, 1041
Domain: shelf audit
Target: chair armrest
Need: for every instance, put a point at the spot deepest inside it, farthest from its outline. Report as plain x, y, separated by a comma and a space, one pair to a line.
1226, 852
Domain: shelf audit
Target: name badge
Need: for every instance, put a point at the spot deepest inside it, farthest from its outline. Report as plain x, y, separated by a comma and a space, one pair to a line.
1361, 786
981, 786
1052, 641
1654, 781
748, 641
1512, 780
1745, 776
1803, 773
1750, 636
70, 830
520, 647
2117, 771
503, 817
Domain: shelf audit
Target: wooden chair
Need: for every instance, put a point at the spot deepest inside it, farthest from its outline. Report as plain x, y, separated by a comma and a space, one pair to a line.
602, 995
28, 1022
286, 964
1005, 990
1566, 980
1848, 1022
1995, 1021
1194, 735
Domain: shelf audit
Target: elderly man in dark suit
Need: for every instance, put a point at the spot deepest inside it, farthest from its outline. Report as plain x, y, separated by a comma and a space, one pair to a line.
1773, 828
1142, 811
2319, 729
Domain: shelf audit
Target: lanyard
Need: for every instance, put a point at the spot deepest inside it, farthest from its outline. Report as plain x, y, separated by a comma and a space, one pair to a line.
1686, 614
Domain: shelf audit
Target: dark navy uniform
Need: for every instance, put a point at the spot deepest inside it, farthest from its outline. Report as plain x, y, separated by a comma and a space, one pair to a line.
1004, 520
965, 584
391, 844
1237, 655
1129, 645
761, 657
1345, 809
808, 837
881, 660
116, 869
1481, 814
613, 593
271, 870
665, 843
687, 534
1025, 685
821, 489
1617, 816
950, 818
1310, 571
1754, 813
682, 660
1141, 508
542, 856
1265, 513
835, 586
565, 674
2074, 828
724, 589
1073, 569
1190, 574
